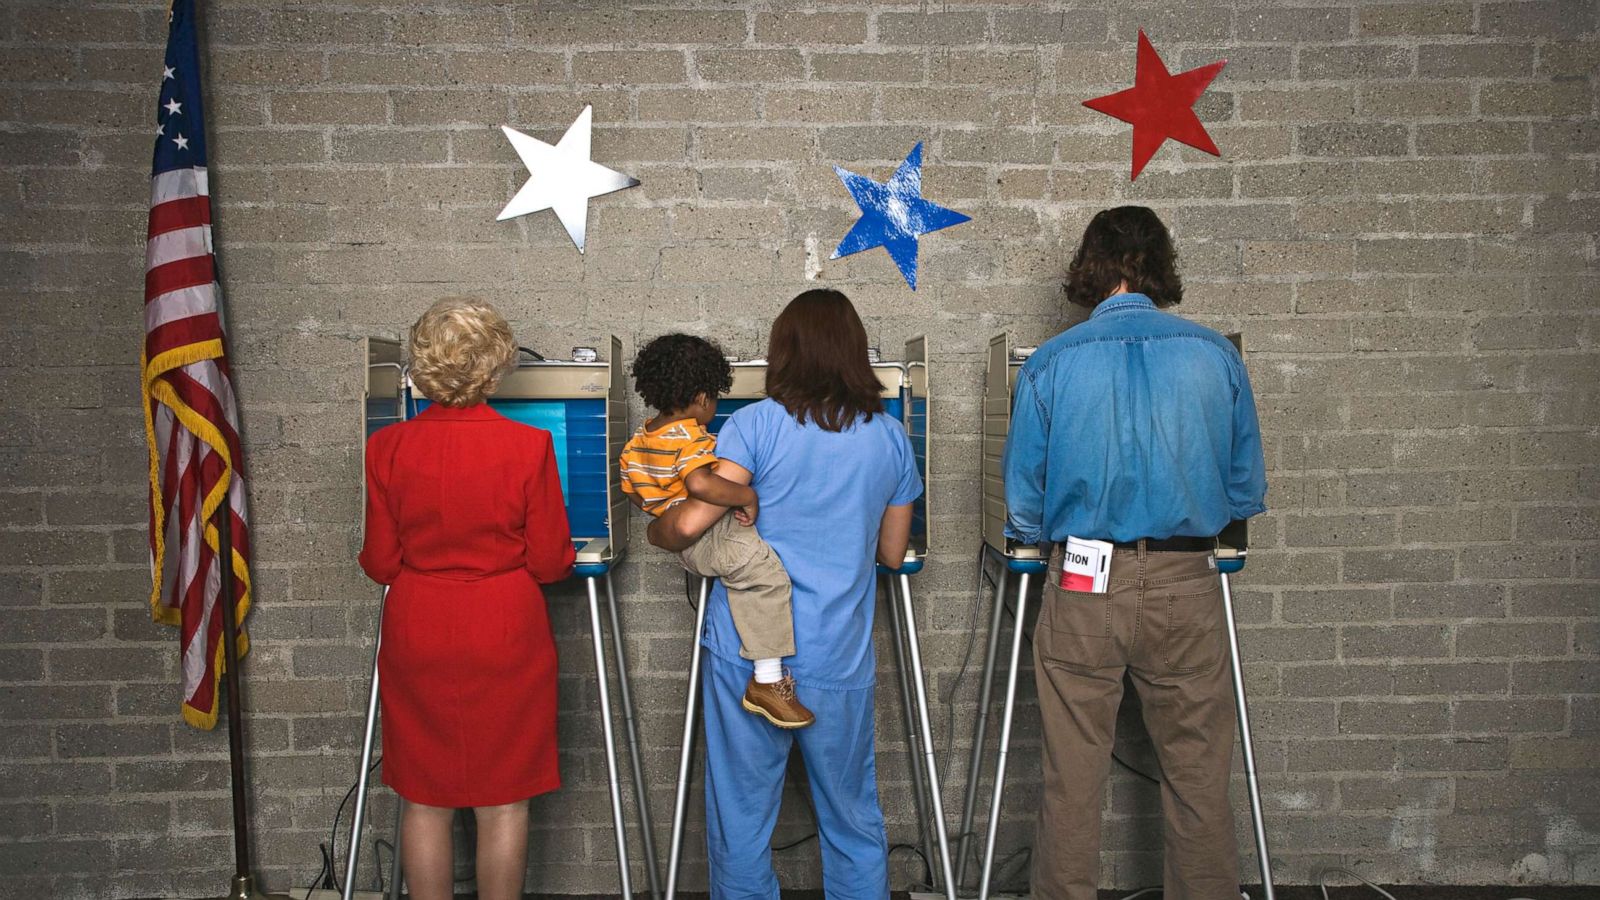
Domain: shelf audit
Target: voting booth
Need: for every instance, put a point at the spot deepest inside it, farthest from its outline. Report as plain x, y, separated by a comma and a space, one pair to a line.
1020, 564
905, 398
582, 402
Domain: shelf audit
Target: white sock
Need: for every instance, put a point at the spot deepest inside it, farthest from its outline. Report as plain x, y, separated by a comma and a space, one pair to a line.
769, 670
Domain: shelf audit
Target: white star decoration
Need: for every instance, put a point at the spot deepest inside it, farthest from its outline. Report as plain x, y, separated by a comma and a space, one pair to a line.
173, 107
182, 142
562, 177
166, 73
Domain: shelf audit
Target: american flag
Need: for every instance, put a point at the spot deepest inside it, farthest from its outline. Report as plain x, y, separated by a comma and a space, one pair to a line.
191, 418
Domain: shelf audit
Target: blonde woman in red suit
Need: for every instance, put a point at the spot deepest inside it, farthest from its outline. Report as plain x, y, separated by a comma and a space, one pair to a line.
464, 522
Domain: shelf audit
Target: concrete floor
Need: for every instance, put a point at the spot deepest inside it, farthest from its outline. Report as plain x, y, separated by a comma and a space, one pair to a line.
1284, 892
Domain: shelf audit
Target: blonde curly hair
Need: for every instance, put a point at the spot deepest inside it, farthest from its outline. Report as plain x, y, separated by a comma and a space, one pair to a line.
459, 350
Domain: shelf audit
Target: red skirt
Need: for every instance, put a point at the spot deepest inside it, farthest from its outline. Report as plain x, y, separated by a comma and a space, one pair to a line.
467, 679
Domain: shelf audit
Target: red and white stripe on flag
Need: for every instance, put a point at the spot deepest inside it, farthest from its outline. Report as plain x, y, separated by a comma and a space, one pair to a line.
191, 419
192, 424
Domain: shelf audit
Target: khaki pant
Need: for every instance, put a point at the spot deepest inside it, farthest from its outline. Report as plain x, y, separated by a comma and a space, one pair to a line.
1161, 620
758, 587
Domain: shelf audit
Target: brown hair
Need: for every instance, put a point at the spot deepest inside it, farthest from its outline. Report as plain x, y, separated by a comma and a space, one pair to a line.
817, 363
1127, 243
459, 349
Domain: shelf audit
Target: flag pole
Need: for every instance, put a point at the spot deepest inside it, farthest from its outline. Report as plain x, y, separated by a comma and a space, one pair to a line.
243, 886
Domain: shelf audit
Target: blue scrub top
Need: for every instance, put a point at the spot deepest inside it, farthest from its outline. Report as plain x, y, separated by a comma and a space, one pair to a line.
823, 495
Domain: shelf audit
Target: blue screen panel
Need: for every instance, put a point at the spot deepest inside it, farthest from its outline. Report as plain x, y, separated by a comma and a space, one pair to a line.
381, 411
918, 426
725, 408
578, 431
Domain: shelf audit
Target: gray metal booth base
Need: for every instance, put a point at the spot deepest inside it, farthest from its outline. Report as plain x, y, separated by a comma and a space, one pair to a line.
905, 393
583, 403
1026, 563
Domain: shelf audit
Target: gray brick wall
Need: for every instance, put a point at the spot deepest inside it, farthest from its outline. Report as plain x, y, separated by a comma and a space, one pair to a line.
1402, 225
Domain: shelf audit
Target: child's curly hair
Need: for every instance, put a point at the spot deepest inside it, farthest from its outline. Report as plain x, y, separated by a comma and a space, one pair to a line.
675, 368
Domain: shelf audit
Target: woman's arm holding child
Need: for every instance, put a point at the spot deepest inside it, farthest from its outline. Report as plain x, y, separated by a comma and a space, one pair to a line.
683, 524
706, 485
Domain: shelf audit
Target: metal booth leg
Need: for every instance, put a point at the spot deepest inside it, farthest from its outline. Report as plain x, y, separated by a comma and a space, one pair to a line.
625, 877
1019, 616
930, 766
358, 820
1246, 744
980, 730
646, 828
919, 793
394, 888
680, 803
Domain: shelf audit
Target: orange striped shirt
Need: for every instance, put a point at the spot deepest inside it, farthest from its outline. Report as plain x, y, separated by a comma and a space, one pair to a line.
656, 463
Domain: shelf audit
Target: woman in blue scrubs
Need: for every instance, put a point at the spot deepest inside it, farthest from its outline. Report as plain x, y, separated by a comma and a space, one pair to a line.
836, 477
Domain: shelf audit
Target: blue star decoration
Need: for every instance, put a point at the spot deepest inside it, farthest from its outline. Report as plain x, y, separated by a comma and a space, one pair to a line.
894, 215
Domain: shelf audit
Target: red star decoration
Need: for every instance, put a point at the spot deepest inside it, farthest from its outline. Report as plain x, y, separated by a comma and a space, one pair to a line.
1160, 105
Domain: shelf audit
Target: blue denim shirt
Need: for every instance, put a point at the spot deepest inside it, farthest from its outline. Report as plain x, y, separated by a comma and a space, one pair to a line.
1133, 424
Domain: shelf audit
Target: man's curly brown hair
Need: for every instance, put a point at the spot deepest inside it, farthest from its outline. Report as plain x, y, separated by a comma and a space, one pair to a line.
1126, 243
675, 368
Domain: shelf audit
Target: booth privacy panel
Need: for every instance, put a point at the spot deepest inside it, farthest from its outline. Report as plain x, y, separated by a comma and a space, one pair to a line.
384, 401
617, 435
998, 380
917, 428
583, 405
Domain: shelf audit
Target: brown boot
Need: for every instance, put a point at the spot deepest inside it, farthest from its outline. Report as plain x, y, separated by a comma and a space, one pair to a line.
777, 703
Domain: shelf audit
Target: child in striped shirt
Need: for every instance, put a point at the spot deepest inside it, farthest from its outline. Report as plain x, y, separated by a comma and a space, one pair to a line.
672, 458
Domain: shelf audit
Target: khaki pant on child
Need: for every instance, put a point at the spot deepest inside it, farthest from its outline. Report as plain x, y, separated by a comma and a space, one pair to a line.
758, 586
1161, 621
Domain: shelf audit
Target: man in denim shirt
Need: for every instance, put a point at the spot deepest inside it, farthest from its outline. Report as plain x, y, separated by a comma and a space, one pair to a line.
1139, 428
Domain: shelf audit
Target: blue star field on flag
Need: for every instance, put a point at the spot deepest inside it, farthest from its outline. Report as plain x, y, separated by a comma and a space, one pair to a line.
894, 215
180, 129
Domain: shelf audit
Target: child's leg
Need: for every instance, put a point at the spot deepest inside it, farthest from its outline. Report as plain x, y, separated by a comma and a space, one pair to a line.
428, 858
502, 850
758, 592
759, 597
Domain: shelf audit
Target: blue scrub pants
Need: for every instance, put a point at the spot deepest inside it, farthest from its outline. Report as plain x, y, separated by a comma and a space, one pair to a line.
745, 762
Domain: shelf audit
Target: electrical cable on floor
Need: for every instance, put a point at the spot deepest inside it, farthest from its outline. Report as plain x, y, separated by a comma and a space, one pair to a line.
691, 594
324, 876
377, 855
333, 835
1322, 881
927, 868
1025, 854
